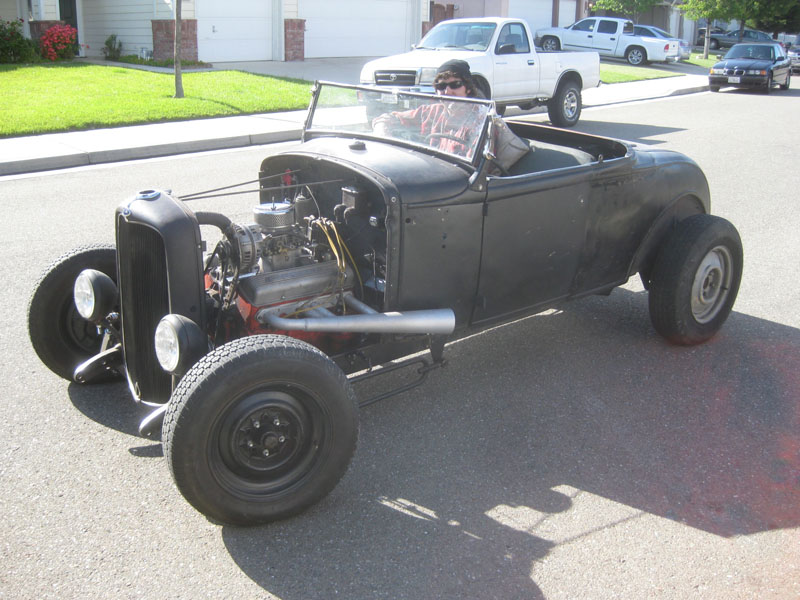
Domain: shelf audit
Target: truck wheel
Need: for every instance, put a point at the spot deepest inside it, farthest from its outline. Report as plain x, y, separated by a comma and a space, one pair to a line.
695, 279
551, 44
59, 335
713, 44
260, 429
564, 109
636, 56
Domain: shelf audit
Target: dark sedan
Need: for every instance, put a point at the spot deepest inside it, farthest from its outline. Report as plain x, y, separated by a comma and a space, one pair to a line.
759, 66
729, 38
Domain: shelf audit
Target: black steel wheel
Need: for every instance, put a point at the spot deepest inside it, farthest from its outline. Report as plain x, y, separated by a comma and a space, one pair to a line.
564, 109
59, 335
695, 279
260, 429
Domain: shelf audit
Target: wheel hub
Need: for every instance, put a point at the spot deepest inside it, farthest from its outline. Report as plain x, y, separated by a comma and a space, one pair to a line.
711, 284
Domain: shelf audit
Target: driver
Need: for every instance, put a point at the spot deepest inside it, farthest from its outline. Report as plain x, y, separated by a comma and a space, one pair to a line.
447, 123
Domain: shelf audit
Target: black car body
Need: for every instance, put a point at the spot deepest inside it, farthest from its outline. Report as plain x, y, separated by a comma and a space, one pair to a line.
365, 250
759, 66
729, 38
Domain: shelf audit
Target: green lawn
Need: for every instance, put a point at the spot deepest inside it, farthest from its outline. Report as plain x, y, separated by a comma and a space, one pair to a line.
70, 96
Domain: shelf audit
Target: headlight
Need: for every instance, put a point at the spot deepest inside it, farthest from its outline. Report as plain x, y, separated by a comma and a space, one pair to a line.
95, 294
427, 75
715, 71
179, 344
756, 72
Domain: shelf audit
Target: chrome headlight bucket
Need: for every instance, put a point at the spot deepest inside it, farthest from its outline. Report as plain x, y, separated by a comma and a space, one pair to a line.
95, 295
179, 343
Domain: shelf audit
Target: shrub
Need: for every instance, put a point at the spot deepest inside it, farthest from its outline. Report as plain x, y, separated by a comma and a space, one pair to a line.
14, 47
60, 41
112, 48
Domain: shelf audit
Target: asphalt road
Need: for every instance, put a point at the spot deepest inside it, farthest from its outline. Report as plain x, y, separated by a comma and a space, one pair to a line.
573, 454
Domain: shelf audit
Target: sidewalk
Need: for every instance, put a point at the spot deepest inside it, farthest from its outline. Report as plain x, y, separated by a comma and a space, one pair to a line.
62, 150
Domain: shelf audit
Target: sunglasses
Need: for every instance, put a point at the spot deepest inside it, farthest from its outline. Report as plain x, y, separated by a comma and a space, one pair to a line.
453, 85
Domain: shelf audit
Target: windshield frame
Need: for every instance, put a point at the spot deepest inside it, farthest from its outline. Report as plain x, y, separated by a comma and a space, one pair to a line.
471, 156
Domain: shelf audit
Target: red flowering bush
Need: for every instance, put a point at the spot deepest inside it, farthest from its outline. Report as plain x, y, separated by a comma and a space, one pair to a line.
60, 41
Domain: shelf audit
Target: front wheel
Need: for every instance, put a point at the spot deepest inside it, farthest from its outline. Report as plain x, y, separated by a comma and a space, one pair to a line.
636, 56
695, 279
564, 109
713, 44
551, 44
61, 337
786, 84
713, 88
260, 429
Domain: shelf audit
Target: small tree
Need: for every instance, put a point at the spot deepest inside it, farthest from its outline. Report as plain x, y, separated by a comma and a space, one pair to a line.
177, 51
632, 9
705, 9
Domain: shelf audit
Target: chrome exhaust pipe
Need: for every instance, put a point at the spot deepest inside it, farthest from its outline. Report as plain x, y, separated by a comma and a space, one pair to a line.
442, 320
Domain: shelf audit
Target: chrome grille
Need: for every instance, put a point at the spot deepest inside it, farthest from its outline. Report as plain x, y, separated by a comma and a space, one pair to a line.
399, 78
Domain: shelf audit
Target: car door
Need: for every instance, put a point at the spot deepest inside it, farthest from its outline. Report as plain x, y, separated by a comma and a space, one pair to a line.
533, 233
516, 71
579, 35
606, 36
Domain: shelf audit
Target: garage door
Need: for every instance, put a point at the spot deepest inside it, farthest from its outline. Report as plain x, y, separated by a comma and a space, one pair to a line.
355, 27
538, 13
234, 31
566, 13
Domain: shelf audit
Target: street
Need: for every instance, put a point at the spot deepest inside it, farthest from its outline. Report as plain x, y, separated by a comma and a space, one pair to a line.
573, 454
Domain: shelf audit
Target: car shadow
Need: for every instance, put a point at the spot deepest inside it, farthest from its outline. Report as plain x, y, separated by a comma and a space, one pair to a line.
461, 487
111, 405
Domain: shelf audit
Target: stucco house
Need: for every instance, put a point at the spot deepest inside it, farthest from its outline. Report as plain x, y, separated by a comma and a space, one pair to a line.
248, 30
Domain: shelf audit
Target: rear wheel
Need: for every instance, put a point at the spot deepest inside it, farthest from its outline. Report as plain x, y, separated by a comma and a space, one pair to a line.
61, 337
636, 56
564, 109
260, 429
551, 44
695, 279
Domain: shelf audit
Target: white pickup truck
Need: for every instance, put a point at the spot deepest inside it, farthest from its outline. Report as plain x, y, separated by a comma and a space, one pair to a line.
504, 64
609, 36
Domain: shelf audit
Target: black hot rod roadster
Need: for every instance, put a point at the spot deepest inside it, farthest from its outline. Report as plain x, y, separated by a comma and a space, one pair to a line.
365, 254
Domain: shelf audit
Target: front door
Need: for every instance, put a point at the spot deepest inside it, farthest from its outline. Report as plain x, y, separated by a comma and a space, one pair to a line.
533, 235
68, 12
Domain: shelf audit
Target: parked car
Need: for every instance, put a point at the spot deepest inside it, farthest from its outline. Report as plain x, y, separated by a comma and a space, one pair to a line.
701, 34
608, 36
729, 38
504, 63
794, 53
684, 47
758, 66
365, 250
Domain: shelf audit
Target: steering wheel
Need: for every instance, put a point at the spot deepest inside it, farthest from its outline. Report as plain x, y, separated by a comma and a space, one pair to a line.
447, 136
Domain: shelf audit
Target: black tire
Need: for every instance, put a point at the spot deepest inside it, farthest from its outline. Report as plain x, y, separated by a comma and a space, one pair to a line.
260, 429
768, 88
695, 279
59, 335
500, 109
713, 44
785, 85
550, 44
713, 88
564, 109
636, 56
